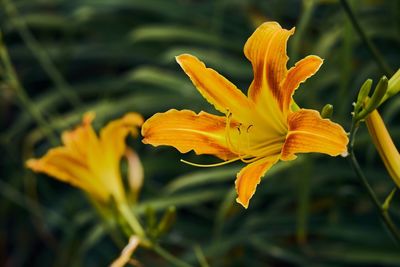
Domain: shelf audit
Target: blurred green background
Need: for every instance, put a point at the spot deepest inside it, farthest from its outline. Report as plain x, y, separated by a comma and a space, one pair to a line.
116, 56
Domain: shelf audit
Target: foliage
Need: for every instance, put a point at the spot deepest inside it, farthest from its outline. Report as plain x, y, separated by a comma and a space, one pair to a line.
114, 57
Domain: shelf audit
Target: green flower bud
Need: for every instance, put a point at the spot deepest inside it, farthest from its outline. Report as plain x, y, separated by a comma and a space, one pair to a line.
362, 95
327, 111
379, 92
375, 100
393, 86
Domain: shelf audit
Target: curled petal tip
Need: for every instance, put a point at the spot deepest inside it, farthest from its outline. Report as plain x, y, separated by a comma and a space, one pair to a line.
344, 154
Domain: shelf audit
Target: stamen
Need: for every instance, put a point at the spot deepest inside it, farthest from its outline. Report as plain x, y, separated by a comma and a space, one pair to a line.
251, 160
247, 137
210, 165
227, 133
268, 143
270, 149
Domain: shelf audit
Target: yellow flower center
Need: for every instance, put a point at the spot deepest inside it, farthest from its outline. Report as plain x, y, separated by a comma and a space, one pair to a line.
246, 146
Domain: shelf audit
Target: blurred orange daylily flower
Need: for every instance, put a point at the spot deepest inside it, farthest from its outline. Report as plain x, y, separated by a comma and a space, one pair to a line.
258, 129
91, 162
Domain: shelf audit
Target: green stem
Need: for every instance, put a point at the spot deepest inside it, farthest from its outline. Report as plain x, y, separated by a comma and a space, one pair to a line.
108, 224
374, 51
200, 256
131, 220
385, 216
169, 257
23, 96
41, 55
138, 230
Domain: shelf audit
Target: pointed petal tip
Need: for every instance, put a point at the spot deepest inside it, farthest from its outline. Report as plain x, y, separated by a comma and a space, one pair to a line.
245, 204
344, 154
133, 118
32, 164
145, 141
88, 117
36, 165
249, 178
270, 24
180, 58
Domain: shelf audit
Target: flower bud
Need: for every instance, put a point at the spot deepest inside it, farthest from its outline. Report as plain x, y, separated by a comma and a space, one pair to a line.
363, 94
376, 98
393, 86
327, 111
384, 144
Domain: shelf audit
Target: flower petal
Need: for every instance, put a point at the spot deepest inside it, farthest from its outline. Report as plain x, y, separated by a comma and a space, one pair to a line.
104, 159
61, 164
220, 92
77, 139
185, 130
135, 173
112, 136
266, 50
250, 176
301, 71
308, 132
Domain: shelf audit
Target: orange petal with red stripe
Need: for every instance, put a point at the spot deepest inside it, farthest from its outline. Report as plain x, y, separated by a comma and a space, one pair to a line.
266, 50
308, 132
250, 176
185, 130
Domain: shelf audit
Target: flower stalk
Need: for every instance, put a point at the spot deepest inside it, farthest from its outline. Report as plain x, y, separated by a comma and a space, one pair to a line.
365, 108
383, 211
91, 162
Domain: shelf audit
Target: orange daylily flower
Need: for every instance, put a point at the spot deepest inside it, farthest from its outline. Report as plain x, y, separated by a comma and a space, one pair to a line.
91, 162
260, 128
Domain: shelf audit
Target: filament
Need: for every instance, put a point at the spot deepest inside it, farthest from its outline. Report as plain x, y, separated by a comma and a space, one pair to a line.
210, 165
227, 133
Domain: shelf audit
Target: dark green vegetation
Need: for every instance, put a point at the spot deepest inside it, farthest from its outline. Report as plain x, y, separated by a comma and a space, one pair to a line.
116, 56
